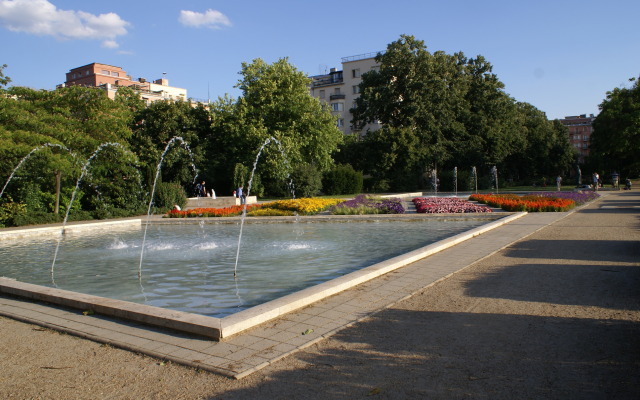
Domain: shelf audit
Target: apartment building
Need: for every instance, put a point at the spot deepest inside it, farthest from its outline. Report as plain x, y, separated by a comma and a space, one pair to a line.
580, 129
110, 78
340, 89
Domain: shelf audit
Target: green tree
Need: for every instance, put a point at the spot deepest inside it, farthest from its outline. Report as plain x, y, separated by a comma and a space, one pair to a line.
491, 124
419, 93
180, 124
615, 140
80, 119
275, 103
4, 80
544, 150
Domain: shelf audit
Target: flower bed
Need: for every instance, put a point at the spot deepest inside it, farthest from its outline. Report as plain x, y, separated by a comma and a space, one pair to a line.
580, 197
232, 211
303, 206
433, 205
533, 202
363, 204
270, 212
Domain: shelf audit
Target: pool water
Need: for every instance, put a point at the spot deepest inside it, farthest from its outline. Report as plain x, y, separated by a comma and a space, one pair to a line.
191, 267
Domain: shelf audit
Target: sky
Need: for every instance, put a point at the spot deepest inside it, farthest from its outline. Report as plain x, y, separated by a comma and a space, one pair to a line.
560, 56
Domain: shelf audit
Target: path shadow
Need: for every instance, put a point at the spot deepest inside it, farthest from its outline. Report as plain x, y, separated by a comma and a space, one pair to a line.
621, 202
589, 250
612, 287
404, 354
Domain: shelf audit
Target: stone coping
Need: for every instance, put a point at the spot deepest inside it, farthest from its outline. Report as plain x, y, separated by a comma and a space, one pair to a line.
326, 218
222, 328
55, 230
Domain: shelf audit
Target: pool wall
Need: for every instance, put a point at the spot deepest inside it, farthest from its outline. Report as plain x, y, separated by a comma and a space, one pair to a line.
221, 328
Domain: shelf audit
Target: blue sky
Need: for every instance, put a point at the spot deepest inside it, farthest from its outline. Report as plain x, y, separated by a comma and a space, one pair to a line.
560, 56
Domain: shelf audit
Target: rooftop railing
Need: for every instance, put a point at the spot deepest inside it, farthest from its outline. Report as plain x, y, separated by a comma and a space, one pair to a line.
361, 56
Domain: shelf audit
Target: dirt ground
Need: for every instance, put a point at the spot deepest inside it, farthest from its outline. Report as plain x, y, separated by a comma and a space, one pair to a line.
554, 316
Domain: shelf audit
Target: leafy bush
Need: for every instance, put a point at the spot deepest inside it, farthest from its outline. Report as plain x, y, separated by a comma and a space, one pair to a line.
307, 180
374, 185
342, 179
36, 218
11, 210
33, 198
448, 182
168, 194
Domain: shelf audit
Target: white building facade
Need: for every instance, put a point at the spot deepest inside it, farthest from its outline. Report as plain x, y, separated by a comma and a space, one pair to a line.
340, 89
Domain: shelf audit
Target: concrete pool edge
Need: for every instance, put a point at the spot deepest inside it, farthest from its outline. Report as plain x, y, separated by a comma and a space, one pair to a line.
222, 328
34, 232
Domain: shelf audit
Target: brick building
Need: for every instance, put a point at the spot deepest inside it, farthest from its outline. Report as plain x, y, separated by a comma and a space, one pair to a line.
110, 78
580, 129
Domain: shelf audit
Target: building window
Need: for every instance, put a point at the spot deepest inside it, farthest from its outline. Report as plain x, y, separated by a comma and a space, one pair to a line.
340, 122
585, 137
356, 89
355, 73
115, 74
337, 106
585, 146
105, 72
73, 76
336, 90
87, 72
322, 94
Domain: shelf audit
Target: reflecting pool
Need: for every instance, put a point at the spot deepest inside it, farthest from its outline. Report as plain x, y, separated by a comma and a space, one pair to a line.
190, 267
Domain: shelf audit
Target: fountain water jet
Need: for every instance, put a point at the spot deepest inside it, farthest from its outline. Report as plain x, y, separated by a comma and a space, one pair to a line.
455, 180
85, 168
28, 156
244, 209
153, 191
434, 181
474, 176
494, 176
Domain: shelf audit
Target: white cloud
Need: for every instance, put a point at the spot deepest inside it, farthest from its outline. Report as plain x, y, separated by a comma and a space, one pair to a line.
40, 17
110, 44
209, 19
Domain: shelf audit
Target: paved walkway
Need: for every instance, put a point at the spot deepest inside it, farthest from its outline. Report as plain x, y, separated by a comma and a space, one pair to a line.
250, 351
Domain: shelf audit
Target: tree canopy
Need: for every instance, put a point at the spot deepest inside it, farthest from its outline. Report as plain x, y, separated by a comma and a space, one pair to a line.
616, 136
275, 103
443, 111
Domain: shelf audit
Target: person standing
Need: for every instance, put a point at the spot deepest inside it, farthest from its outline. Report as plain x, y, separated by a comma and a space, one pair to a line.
200, 190
239, 194
596, 181
558, 183
615, 180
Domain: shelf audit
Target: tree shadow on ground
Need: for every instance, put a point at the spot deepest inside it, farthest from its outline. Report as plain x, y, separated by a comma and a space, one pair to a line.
400, 354
621, 203
613, 287
623, 251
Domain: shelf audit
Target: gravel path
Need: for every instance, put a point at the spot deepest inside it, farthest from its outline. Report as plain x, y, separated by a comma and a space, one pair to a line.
556, 315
